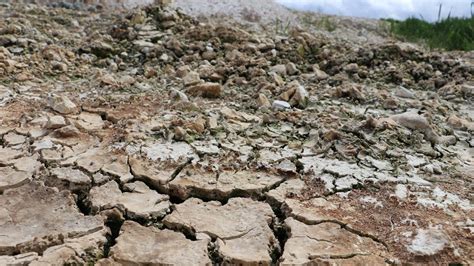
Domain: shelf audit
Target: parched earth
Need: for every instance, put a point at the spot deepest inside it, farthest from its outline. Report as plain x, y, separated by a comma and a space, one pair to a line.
148, 137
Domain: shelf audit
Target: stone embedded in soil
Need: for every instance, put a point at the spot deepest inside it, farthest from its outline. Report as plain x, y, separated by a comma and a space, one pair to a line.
280, 105
139, 245
63, 105
199, 183
206, 90
89, 122
55, 122
328, 243
241, 228
428, 242
34, 217
412, 120
139, 202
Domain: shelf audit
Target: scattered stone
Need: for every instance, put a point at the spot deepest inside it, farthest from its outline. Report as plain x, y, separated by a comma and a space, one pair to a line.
89, 122
137, 244
263, 101
206, 90
300, 97
55, 122
63, 105
279, 69
291, 69
280, 105
178, 96
179, 133
192, 78
403, 92
351, 68
412, 120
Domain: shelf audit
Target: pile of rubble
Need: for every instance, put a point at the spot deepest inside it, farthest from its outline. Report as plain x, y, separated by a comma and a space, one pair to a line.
150, 137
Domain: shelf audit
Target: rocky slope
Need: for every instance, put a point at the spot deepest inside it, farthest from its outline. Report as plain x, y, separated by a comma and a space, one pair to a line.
147, 135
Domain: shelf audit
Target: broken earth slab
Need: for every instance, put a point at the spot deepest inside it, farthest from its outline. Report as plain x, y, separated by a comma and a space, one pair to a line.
240, 227
88, 122
342, 176
20, 259
114, 164
27, 213
75, 251
195, 182
154, 174
328, 243
12, 178
177, 152
69, 178
141, 245
7, 155
139, 202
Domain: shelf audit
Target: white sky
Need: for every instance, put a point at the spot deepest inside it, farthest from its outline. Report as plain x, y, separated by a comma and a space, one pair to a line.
398, 9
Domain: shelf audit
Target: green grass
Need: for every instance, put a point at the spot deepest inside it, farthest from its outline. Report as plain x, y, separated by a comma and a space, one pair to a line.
449, 33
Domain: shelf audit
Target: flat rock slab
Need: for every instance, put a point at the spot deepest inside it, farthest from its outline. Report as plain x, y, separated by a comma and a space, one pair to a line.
208, 185
241, 228
139, 203
139, 245
34, 217
328, 243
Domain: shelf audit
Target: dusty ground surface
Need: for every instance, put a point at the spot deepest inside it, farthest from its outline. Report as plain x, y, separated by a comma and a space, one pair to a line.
151, 137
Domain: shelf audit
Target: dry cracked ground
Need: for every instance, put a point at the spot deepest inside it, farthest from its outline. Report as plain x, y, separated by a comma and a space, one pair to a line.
147, 137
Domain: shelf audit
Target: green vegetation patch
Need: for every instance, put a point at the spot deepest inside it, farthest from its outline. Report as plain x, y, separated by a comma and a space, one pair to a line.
449, 33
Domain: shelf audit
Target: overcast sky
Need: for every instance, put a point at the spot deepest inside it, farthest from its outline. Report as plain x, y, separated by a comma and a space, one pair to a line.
397, 9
